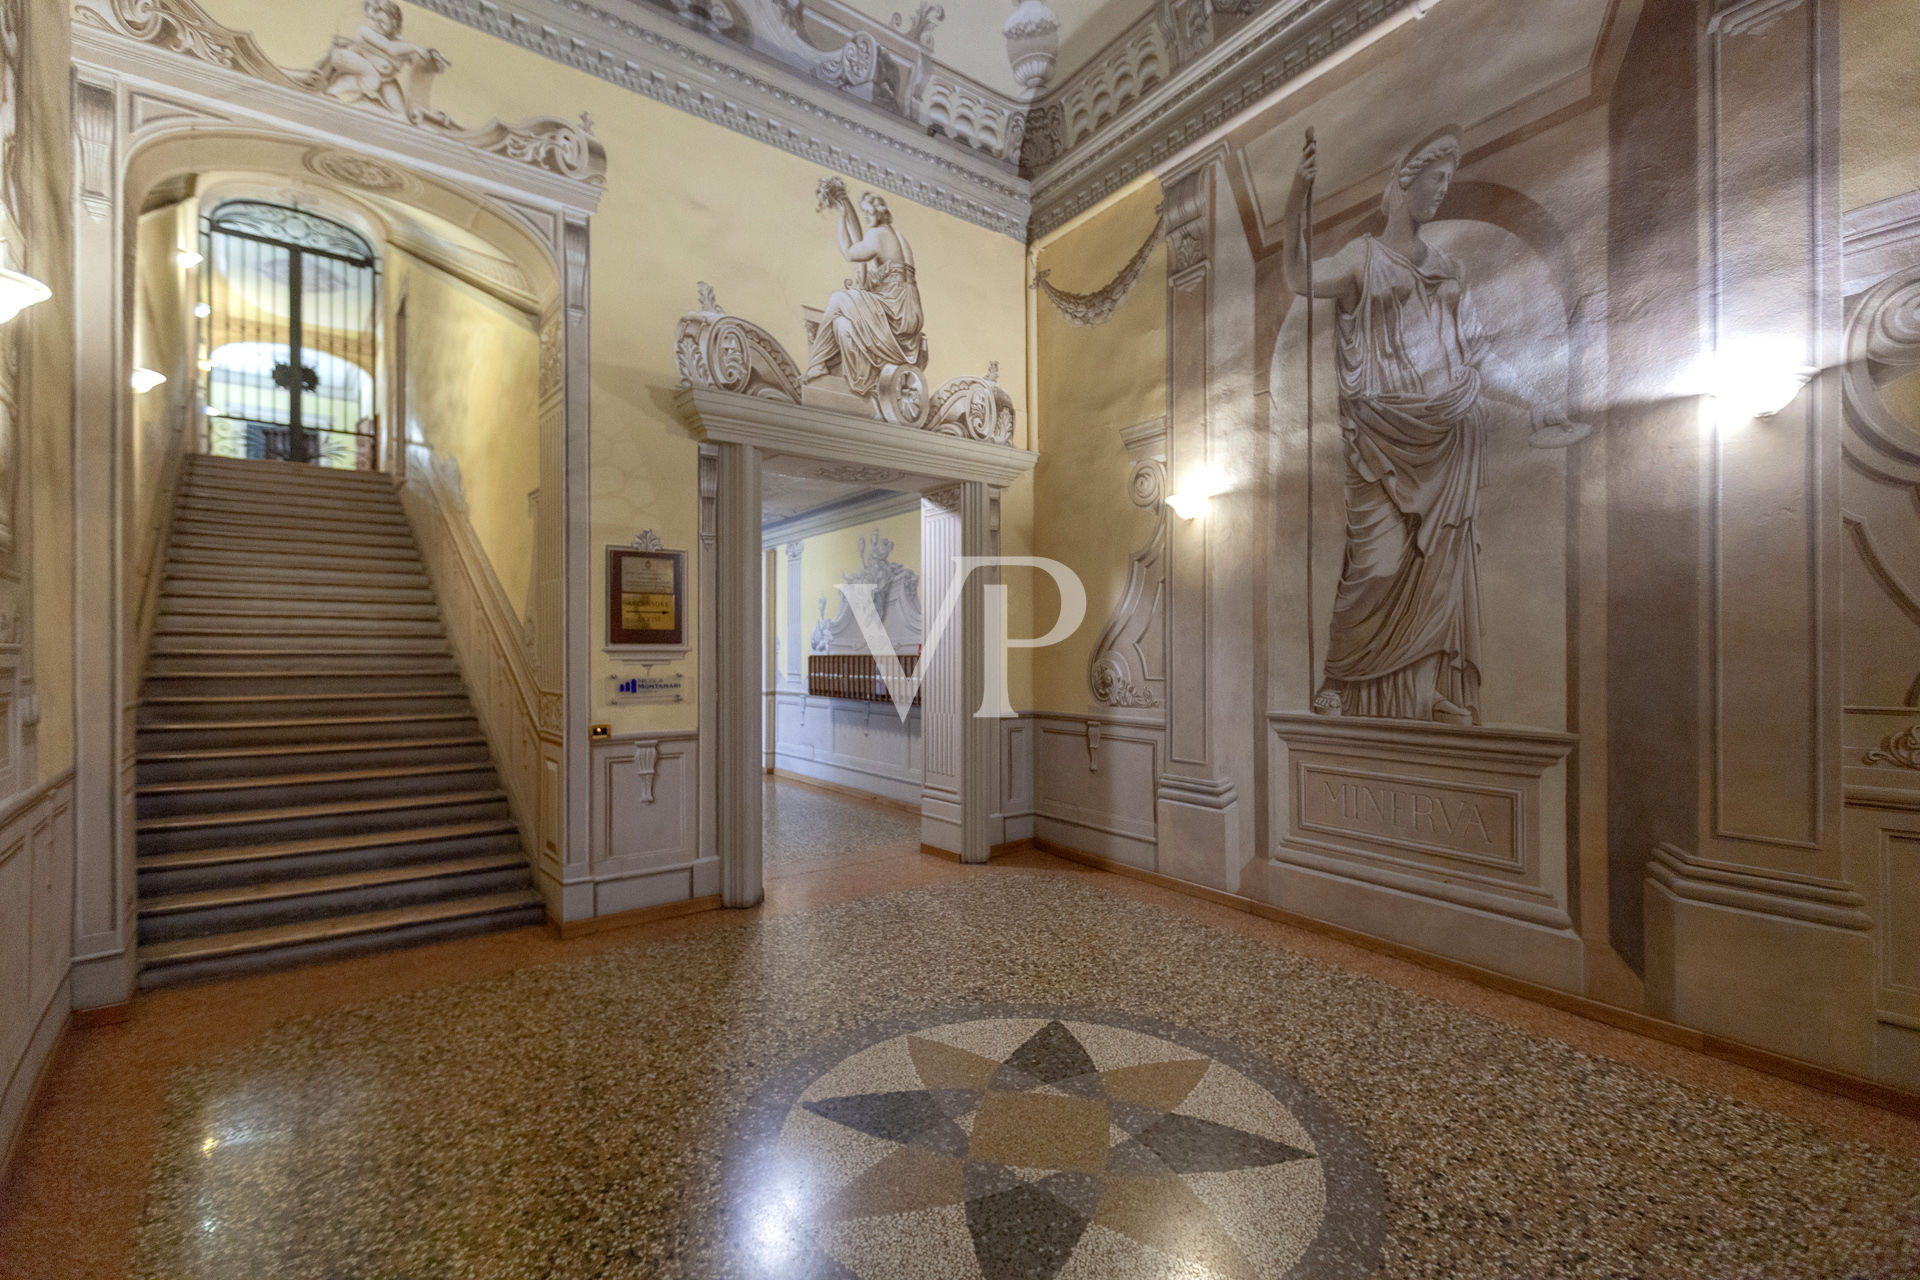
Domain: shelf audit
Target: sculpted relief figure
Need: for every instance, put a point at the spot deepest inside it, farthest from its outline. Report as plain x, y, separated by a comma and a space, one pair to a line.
870, 332
1421, 391
375, 65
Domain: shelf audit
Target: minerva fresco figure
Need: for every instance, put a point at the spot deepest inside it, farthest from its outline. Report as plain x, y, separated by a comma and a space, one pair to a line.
1420, 389
876, 321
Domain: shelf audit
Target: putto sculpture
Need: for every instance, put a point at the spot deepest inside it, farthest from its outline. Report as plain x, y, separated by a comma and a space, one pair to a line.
1420, 393
867, 349
374, 65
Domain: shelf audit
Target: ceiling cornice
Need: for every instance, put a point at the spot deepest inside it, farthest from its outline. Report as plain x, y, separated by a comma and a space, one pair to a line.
648, 53
1182, 112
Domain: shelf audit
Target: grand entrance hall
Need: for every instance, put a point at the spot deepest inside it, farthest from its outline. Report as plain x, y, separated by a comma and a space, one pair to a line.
987, 640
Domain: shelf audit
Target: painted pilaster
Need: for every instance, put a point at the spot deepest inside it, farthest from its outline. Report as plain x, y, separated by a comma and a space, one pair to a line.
941, 707
737, 674
794, 642
103, 958
979, 737
1199, 816
567, 769
707, 605
1751, 933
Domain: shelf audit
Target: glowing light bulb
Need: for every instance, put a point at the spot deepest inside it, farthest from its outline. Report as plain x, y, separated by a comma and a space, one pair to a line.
202, 310
188, 258
1195, 496
145, 380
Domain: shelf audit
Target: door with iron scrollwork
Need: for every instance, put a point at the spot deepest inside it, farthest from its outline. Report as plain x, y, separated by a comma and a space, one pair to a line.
288, 323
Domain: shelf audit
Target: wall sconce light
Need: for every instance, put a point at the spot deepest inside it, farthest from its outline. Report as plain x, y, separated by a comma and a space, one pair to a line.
1194, 497
145, 380
206, 365
188, 258
18, 291
1753, 379
202, 310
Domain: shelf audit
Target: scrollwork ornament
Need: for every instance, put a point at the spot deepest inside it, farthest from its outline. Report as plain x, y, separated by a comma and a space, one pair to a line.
1148, 484
973, 409
1901, 750
1882, 344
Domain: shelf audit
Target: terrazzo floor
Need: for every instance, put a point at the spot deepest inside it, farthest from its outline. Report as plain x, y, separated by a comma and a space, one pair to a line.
1024, 1070
805, 829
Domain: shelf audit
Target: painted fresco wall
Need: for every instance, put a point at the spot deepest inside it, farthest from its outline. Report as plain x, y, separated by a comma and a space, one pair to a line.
36, 593
688, 201
472, 388
1546, 621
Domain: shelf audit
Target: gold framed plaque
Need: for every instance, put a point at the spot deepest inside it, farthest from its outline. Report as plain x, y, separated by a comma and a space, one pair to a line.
646, 596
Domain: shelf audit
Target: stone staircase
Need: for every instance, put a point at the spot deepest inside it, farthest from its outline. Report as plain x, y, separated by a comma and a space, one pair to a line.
311, 779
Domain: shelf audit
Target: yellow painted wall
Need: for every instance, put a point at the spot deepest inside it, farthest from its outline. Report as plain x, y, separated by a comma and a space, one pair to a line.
688, 201
1093, 383
160, 308
826, 559
1879, 100
473, 394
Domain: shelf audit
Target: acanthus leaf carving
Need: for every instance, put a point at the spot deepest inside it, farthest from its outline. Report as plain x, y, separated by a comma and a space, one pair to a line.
973, 409
719, 352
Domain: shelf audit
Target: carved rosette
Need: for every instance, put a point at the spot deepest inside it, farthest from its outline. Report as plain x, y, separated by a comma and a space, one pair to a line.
974, 409
719, 352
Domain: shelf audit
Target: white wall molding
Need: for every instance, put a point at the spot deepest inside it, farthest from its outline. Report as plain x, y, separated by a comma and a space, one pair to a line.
36, 940
1879, 239
865, 508
863, 746
650, 54
644, 843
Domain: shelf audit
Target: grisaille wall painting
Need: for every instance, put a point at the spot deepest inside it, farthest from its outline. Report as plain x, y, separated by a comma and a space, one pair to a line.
867, 349
1569, 540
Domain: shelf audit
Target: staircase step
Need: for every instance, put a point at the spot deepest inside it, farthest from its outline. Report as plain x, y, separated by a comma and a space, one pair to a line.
192, 959
202, 912
210, 764
201, 488
282, 647
295, 591
286, 539
175, 604
365, 573
254, 626
285, 679
297, 509
156, 736
297, 526
271, 471
334, 817
240, 708
159, 798
186, 870
185, 550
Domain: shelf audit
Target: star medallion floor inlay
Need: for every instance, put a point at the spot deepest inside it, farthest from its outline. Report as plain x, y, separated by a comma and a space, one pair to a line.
1064, 1145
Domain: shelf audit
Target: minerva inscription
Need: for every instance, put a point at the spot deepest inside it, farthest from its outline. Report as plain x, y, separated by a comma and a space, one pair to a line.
1413, 813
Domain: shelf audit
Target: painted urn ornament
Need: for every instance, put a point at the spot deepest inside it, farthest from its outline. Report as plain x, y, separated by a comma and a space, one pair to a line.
1033, 45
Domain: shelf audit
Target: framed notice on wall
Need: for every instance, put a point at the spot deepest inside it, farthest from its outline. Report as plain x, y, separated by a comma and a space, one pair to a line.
646, 596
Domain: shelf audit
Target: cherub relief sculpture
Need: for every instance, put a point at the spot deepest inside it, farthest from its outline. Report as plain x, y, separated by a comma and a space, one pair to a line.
870, 332
374, 65
1420, 392
896, 601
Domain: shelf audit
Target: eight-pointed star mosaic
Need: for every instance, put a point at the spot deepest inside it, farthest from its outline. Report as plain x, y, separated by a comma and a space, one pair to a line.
1043, 1150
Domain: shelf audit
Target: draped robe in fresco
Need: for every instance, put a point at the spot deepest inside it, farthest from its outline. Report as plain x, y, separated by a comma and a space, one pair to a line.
871, 327
1406, 617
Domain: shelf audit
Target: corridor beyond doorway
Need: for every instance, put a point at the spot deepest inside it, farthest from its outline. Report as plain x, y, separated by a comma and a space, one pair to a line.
809, 828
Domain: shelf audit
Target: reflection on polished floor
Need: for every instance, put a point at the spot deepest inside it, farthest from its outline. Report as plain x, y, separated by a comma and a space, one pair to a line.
900, 1067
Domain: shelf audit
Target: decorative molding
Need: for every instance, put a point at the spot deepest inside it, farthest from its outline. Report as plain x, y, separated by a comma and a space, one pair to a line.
973, 409
1128, 666
646, 765
374, 70
648, 540
722, 417
1882, 341
865, 508
720, 352
1835, 903
1901, 750
1087, 309
1880, 238
93, 128
1217, 77
651, 52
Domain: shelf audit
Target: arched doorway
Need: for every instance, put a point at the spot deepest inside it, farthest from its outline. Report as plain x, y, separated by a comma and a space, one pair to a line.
289, 337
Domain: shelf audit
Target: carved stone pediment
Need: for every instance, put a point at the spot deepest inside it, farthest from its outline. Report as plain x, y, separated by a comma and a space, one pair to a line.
374, 69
